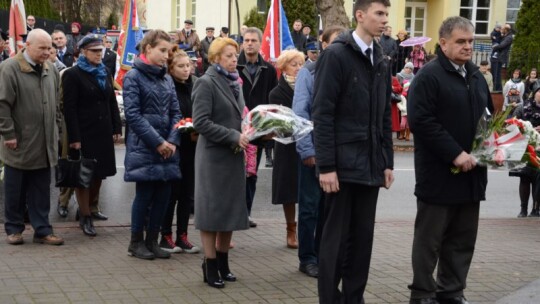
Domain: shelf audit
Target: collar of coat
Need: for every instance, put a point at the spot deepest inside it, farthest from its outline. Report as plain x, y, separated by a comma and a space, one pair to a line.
25, 66
348, 39
447, 65
242, 60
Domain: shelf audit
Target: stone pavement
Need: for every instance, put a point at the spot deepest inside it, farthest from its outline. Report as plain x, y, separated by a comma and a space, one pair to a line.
98, 270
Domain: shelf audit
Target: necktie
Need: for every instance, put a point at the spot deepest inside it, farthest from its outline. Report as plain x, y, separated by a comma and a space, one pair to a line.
462, 71
368, 54
61, 55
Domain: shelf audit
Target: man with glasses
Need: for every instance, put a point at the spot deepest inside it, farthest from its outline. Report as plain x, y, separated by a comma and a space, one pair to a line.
30, 23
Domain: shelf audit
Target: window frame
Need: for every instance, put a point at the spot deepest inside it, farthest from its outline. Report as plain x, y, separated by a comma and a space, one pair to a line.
474, 12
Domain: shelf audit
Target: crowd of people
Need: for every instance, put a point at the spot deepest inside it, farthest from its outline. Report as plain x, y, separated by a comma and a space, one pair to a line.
358, 86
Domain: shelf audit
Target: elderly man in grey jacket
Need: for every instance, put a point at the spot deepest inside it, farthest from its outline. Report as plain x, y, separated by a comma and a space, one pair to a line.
29, 138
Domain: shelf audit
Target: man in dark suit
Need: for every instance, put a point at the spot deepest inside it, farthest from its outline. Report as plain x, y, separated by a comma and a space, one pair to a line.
353, 146
205, 45
109, 56
65, 54
445, 102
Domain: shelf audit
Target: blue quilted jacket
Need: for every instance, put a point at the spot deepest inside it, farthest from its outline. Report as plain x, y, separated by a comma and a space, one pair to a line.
151, 110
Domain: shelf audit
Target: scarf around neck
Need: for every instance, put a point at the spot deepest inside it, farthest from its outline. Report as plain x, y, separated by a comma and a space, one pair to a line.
99, 71
231, 78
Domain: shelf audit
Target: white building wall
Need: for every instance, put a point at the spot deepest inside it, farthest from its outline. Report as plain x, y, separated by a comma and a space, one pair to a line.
211, 13
159, 15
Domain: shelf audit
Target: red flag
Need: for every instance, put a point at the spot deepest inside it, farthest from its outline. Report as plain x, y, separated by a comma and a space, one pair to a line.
277, 36
17, 26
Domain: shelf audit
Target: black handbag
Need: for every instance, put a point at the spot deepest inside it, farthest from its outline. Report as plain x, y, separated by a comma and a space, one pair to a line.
74, 173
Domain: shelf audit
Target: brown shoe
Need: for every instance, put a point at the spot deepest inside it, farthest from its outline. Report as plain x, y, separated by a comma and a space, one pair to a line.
50, 239
15, 239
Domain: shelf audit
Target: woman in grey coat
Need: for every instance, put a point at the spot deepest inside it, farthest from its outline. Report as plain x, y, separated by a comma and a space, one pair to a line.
220, 193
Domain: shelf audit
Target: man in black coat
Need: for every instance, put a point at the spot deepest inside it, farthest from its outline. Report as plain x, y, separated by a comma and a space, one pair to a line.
109, 56
446, 100
389, 45
259, 78
353, 148
297, 36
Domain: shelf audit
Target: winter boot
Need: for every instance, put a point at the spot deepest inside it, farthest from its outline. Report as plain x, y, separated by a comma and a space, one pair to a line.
137, 248
407, 134
152, 245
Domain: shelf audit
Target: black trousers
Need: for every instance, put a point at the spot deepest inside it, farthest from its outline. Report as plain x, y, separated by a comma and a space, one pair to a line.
27, 188
346, 243
443, 235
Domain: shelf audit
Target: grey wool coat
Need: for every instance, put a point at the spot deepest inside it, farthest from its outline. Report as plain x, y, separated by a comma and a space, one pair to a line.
220, 178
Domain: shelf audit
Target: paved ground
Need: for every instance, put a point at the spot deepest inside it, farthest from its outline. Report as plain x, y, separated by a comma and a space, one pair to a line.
98, 270
505, 269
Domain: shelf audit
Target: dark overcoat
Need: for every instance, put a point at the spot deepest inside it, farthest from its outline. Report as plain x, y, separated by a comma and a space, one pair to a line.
285, 171
92, 117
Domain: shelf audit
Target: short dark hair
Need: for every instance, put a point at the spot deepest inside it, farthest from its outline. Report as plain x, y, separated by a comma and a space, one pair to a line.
364, 4
254, 30
331, 30
484, 62
452, 23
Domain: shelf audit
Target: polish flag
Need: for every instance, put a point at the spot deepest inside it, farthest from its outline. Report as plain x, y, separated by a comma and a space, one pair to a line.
17, 26
277, 36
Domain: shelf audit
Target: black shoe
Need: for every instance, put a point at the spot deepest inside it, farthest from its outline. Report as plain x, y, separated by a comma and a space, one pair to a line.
252, 224
455, 300
424, 301
99, 216
223, 266
523, 212
534, 213
87, 226
210, 273
311, 270
152, 245
62, 211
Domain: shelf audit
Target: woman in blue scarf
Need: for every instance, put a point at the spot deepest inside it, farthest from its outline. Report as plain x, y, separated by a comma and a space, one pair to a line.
92, 120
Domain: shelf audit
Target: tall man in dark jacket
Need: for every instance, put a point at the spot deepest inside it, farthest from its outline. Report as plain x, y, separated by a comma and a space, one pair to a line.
259, 78
353, 147
389, 46
446, 99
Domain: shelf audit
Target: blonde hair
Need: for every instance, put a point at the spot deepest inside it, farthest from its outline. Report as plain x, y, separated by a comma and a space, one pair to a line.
217, 46
287, 56
174, 53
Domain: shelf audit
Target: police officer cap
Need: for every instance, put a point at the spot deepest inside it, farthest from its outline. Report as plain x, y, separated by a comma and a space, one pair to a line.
312, 47
90, 40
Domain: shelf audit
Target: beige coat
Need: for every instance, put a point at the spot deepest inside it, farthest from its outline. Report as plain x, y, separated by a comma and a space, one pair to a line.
28, 112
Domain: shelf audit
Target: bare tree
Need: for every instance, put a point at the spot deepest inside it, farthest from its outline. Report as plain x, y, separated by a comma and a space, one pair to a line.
332, 13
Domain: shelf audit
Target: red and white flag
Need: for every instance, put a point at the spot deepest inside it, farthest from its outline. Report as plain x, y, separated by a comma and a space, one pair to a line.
277, 36
17, 26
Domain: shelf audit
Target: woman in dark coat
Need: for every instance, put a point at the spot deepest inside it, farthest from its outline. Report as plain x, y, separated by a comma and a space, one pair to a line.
285, 172
92, 120
403, 52
179, 67
152, 161
220, 175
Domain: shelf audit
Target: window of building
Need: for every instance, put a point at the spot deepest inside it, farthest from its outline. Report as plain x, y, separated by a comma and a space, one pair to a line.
512, 11
261, 6
178, 14
478, 12
194, 11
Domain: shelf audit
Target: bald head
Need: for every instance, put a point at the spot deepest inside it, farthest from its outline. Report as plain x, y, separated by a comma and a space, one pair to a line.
37, 34
38, 44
